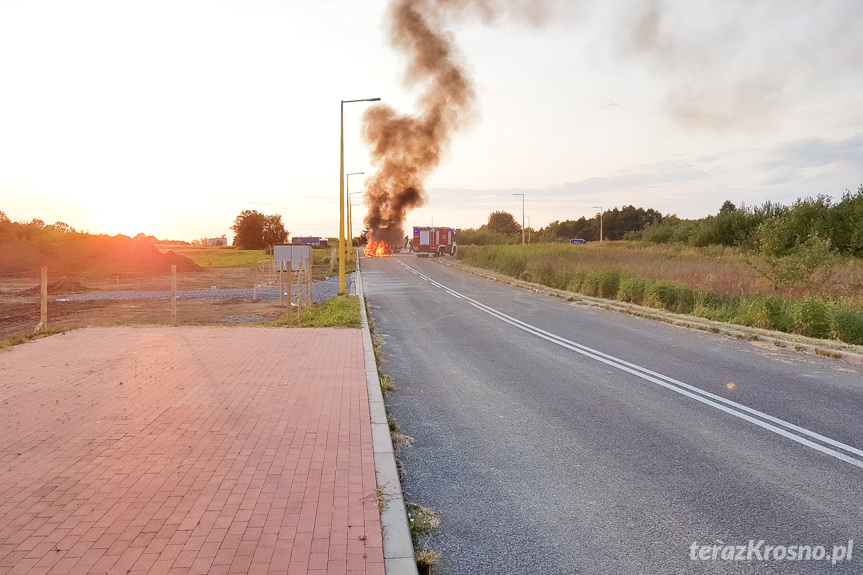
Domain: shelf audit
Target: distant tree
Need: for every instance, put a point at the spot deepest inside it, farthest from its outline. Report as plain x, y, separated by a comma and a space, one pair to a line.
846, 223
482, 237
274, 231
727, 207
62, 227
503, 223
142, 237
256, 231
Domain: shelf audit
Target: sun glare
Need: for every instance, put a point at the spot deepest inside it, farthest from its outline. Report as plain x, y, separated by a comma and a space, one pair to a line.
128, 219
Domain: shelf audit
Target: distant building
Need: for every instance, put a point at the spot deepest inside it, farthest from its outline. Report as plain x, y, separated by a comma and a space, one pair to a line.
315, 242
217, 241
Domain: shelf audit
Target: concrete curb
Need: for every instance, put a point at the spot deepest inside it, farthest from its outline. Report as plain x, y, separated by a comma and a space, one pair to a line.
398, 547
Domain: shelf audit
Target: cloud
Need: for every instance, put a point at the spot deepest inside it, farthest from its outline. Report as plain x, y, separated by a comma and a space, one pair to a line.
738, 63
809, 158
814, 152
646, 176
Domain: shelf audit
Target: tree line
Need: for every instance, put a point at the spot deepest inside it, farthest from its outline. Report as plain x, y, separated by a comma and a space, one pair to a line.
770, 226
502, 227
836, 227
252, 231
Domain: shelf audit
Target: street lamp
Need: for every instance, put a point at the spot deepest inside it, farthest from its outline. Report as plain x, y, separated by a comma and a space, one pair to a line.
350, 248
350, 218
522, 217
600, 221
342, 194
351, 221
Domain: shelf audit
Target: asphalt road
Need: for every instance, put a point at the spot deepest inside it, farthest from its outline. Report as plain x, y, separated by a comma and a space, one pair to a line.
555, 438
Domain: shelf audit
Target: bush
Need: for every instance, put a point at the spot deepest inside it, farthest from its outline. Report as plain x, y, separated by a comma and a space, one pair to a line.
669, 296
609, 284
847, 325
812, 317
632, 290
766, 312
498, 258
716, 307
576, 281
483, 237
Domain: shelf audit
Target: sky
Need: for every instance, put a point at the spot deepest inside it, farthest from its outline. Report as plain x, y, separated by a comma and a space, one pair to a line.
170, 117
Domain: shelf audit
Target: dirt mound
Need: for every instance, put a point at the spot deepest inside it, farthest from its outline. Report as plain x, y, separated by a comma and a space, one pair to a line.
63, 285
84, 254
128, 256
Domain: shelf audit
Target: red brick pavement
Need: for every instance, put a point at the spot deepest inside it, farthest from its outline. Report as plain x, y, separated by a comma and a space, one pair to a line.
187, 451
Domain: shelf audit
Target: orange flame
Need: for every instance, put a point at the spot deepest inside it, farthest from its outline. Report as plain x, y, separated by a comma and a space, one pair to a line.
377, 250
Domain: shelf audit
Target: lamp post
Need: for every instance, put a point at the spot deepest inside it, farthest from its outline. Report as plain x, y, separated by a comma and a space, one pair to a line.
522, 217
342, 194
350, 247
600, 221
351, 222
350, 219
528, 229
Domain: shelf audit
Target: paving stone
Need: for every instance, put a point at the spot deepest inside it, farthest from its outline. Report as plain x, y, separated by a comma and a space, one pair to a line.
186, 450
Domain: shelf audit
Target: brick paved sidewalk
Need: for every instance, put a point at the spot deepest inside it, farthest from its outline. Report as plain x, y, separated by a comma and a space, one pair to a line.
187, 451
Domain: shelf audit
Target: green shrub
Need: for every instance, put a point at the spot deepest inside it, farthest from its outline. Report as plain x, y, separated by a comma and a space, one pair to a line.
576, 281
670, 296
716, 307
609, 284
590, 283
847, 325
812, 317
632, 290
766, 312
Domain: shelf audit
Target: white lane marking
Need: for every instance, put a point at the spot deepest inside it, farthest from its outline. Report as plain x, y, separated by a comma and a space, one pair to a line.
741, 411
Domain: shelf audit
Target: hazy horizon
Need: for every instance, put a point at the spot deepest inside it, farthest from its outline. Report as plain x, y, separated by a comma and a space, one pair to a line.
171, 117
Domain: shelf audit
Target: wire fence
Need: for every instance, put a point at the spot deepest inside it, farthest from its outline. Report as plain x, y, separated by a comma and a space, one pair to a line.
38, 300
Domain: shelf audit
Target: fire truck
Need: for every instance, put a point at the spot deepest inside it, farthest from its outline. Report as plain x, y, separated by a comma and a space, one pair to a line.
434, 241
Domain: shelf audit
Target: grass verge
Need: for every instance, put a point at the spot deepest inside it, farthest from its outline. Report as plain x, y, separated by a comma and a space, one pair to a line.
340, 311
423, 524
17, 339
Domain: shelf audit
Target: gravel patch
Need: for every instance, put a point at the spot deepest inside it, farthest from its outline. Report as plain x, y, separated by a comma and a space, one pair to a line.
321, 290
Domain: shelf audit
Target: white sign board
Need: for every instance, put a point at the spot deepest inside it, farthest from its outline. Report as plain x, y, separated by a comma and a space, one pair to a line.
299, 256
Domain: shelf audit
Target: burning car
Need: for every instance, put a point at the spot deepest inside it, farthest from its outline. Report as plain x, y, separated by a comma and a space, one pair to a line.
377, 248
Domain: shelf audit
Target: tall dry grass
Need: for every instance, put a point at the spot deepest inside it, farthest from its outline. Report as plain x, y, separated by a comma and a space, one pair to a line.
714, 282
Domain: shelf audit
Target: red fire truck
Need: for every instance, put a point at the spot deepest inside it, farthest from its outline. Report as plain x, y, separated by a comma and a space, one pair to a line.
434, 241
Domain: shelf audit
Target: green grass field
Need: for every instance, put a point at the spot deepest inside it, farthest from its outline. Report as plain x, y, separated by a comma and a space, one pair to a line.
221, 257
231, 257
